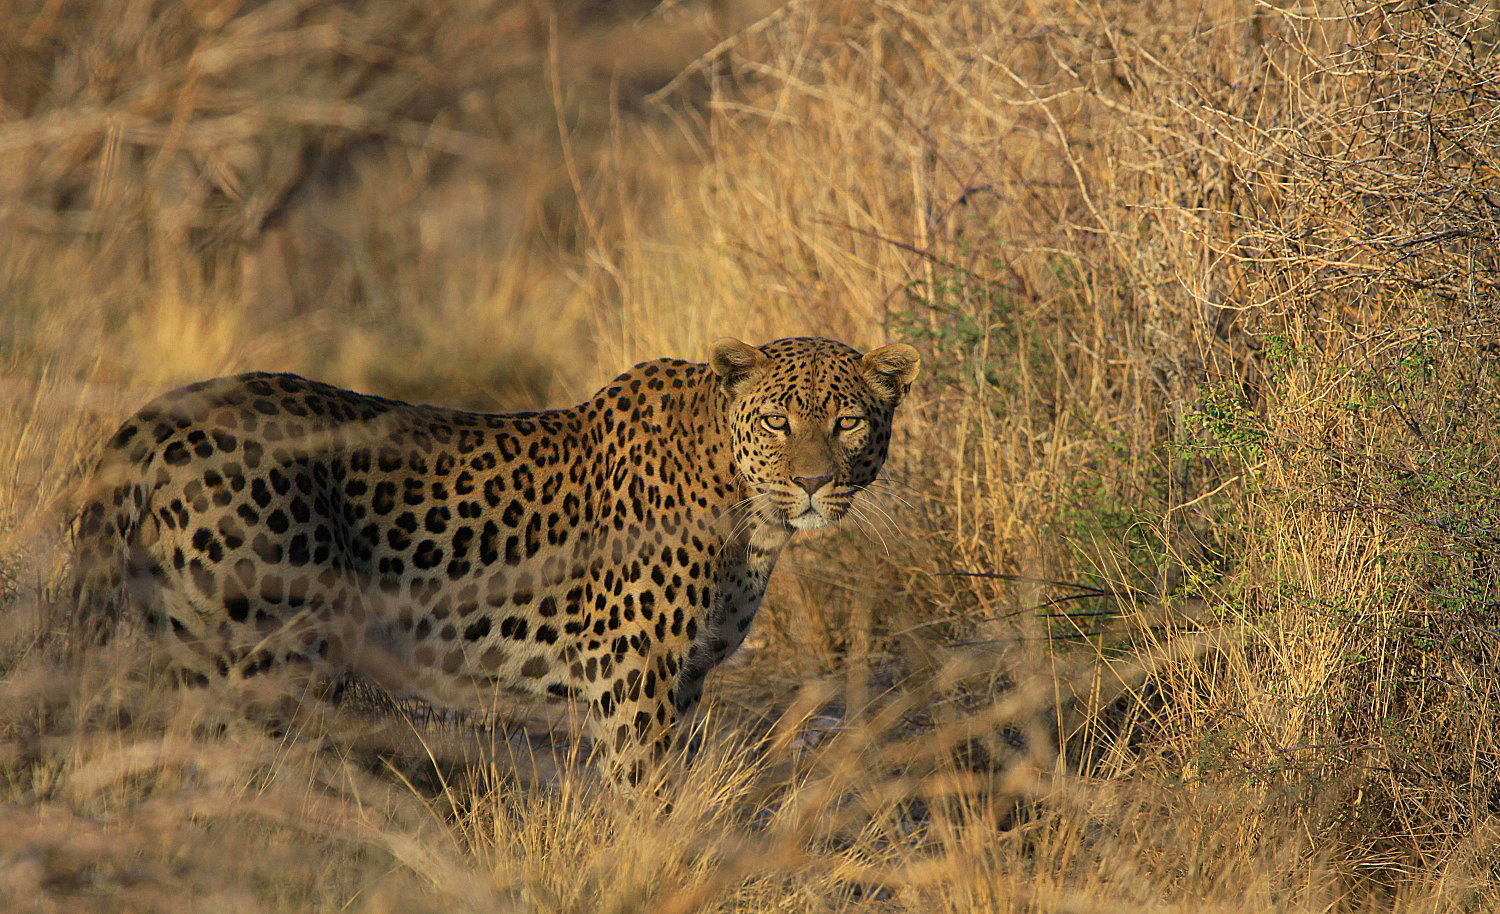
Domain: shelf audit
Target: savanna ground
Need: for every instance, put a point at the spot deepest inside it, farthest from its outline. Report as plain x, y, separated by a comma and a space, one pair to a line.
1183, 595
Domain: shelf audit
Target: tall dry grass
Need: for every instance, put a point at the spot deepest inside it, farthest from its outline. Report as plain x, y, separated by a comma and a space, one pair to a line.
1180, 595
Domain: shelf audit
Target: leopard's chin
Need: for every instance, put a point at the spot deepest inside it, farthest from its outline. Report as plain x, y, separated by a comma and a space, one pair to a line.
811, 519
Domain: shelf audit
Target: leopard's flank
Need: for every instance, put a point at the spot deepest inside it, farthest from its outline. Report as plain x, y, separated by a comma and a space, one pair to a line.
608, 554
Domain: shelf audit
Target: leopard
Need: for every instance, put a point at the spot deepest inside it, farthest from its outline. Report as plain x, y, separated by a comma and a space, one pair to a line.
607, 555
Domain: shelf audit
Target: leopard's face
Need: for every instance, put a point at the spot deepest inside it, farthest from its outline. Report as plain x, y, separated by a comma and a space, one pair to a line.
810, 423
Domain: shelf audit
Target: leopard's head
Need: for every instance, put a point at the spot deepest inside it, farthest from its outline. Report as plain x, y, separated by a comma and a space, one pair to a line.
810, 422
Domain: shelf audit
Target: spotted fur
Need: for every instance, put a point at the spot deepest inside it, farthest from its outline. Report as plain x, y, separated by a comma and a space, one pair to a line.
610, 554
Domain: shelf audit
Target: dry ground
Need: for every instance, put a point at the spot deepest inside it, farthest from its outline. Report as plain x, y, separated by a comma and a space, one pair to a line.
1182, 595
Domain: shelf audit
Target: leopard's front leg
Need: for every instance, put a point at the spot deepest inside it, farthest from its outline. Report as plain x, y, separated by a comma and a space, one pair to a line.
634, 718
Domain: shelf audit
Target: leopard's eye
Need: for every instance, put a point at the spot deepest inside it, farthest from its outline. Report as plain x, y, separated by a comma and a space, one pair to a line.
774, 422
848, 423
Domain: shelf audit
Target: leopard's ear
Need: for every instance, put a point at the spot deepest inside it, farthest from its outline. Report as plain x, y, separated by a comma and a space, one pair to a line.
737, 364
890, 370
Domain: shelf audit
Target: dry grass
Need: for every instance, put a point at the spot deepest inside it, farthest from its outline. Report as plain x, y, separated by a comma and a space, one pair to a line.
1182, 593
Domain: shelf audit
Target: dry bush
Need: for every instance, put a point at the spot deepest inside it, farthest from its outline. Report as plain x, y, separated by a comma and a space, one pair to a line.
1180, 595
323, 183
1209, 306
1338, 266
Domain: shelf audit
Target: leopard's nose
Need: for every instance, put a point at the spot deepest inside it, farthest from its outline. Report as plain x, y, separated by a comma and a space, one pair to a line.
812, 484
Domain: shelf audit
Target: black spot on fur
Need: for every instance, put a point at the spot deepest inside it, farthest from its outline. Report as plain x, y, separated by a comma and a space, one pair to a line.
477, 629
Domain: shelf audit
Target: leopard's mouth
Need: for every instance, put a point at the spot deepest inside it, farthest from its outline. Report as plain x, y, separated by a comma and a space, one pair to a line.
810, 515
810, 519
798, 512
793, 515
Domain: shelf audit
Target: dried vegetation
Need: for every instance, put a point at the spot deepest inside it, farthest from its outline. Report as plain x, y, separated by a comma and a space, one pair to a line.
1182, 594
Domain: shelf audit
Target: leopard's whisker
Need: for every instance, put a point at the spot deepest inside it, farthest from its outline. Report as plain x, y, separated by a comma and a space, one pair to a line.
885, 515
880, 486
858, 515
